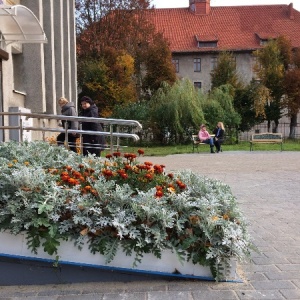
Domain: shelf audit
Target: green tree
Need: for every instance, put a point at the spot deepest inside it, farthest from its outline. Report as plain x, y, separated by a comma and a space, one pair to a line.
219, 106
245, 99
272, 62
176, 112
225, 71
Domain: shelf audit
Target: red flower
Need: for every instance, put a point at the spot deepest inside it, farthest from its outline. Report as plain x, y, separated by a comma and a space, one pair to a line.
124, 175
159, 194
141, 152
117, 154
108, 156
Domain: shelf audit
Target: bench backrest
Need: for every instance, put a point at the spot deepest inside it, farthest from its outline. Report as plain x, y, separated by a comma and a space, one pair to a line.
272, 137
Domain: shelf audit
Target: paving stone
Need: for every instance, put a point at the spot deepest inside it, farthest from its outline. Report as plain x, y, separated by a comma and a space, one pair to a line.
169, 296
259, 295
284, 275
291, 294
214, 295
273, 285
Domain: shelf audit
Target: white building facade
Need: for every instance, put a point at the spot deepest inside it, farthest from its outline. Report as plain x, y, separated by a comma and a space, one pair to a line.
38, 57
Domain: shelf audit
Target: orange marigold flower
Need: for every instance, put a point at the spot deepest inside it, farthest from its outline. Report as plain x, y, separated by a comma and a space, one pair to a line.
182, 186
69, 168
171, 175
94, 192
107, 173
108, 156
117, 154
88, 188
65, 178
159, 194
127, 167
149, 176
158, 169
26, 163
159, 188
171, 190
76, 174
226, 217
81, 166
73, 181
132, 157
124, 175
141, 152
148, 163
215, 218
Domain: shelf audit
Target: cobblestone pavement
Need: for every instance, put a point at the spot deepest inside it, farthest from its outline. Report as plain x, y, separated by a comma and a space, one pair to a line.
267, 187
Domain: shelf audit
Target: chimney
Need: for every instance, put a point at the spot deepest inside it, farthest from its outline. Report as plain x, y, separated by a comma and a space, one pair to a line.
200, 7
291, 11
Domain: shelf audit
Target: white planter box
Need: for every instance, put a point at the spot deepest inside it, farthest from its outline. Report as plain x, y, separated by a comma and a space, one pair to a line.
15, 246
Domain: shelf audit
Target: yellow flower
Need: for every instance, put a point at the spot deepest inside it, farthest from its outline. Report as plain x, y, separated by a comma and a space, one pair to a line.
26, 163
215, 218
171, 190
15, 161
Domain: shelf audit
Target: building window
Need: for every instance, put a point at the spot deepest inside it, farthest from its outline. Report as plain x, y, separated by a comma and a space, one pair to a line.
197, 64
197, 85
175, 62
213, 63
207, 44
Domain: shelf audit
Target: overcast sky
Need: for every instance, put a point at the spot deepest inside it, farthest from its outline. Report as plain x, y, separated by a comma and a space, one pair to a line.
185, 3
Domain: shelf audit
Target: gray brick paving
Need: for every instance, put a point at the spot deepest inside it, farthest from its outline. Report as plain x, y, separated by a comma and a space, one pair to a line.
266, 185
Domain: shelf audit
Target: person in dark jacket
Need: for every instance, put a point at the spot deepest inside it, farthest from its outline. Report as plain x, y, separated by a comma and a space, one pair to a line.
91, 143
68, 109
219, 132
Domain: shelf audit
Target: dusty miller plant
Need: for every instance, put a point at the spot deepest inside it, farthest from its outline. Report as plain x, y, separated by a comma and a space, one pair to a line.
118, 203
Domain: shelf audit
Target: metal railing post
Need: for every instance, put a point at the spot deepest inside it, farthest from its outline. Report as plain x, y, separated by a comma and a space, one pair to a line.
111, 138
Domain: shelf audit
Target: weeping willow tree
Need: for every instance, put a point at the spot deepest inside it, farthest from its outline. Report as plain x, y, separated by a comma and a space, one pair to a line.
218, 106
176, 112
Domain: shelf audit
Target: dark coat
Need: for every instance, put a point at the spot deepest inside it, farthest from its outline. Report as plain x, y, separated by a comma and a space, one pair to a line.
220, 134
92, 112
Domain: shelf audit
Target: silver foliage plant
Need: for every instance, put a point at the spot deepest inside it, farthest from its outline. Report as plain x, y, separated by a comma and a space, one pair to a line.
201, 223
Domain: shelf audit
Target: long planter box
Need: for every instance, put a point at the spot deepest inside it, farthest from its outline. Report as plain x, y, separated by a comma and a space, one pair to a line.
169, 265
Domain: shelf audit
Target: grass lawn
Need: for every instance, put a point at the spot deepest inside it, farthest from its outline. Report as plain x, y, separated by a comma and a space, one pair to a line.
288, 145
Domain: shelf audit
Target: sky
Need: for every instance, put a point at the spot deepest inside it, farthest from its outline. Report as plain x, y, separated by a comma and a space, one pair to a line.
185, 3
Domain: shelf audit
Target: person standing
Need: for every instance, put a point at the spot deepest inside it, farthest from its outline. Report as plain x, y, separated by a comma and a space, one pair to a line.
219, 132
91, 143
205, 137
68, 109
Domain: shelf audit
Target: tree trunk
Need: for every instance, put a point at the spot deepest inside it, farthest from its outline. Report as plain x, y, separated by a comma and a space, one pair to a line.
275, 129
269, 125
293, 125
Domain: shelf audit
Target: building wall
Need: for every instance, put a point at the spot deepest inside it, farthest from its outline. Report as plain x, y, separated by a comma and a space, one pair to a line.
36, 75
244, 62
43, 72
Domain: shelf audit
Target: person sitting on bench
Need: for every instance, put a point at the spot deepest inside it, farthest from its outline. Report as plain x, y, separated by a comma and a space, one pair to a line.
219, 136
205, 137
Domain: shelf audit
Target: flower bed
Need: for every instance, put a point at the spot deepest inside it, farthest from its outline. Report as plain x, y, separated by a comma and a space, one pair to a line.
117, 203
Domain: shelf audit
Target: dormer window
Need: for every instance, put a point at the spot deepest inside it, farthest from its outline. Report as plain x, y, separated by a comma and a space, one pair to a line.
206, 41
265, 37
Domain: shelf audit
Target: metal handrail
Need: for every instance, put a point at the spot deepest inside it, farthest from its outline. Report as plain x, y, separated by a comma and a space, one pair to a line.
106, 121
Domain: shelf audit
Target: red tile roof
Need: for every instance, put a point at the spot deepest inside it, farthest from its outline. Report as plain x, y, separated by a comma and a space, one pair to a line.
235, 27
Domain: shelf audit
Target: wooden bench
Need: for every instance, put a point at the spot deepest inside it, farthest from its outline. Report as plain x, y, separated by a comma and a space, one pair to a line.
196, 142
266, 138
